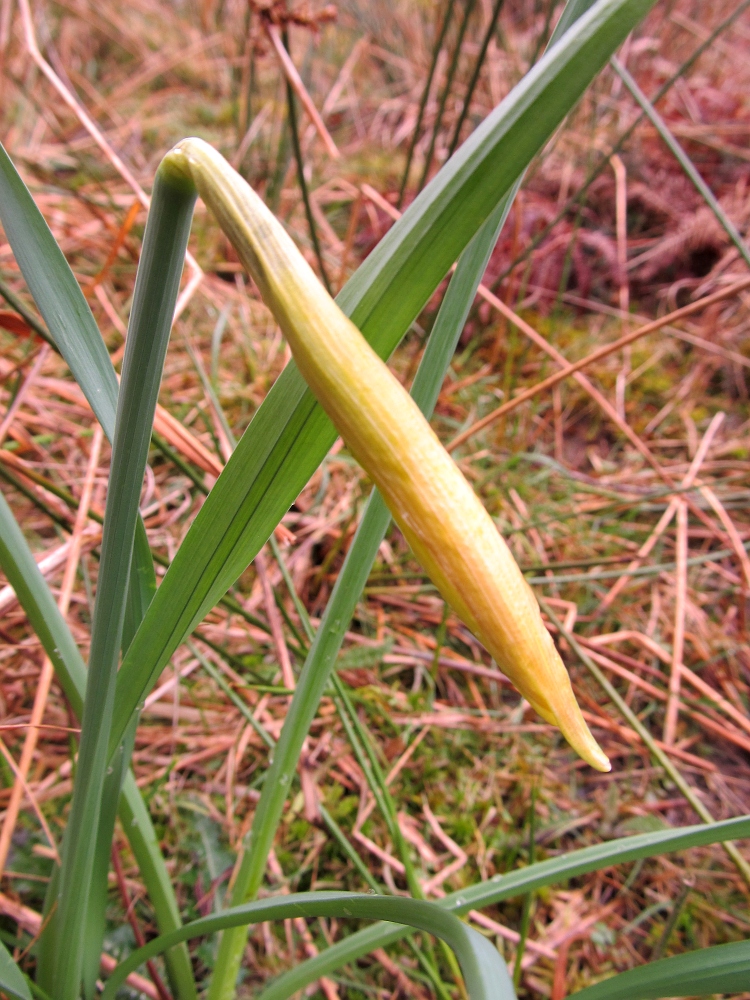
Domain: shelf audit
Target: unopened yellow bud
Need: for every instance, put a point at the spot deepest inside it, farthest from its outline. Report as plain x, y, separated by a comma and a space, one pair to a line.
439, 514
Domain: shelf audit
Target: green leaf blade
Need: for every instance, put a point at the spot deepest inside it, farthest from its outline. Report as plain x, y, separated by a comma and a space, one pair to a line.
484, 970
43, 613
57, 295
725, 968
12, 980
515, 883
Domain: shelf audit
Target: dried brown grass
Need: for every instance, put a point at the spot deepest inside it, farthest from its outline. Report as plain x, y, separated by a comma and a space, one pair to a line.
463, 752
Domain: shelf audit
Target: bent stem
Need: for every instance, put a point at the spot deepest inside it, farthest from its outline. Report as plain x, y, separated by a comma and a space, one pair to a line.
151, 320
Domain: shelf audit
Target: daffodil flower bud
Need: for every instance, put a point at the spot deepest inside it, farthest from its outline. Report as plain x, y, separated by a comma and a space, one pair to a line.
439, 514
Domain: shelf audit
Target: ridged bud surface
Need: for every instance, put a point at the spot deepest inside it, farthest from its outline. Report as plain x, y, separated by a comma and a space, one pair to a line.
438, 512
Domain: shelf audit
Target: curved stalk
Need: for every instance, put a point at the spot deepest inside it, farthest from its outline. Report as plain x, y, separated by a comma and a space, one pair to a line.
150, 323
481, 964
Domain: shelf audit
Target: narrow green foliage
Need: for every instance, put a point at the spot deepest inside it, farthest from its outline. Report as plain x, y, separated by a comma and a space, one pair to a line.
483, 968
514, 883
724, 968
57, 295
12, 980
351, 580
35, 598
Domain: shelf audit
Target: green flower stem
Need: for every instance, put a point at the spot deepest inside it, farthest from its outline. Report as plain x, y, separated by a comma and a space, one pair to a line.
151, 319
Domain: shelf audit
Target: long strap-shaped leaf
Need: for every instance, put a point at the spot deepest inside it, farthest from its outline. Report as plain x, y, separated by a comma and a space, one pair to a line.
320, 661
57, 295
373, 526
481, 964
34, 595
290, 435
725, 968
12, 980
515, 883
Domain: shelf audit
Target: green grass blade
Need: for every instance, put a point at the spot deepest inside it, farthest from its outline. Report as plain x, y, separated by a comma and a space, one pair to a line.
155, 294
351, 580
588, 859
572, 11
289, 434
483, 968
34, 595
725, 968
515, 883
57, 295
71, 325
12, 980
683, 159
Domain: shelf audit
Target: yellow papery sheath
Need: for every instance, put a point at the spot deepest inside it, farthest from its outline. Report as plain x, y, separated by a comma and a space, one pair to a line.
439, 514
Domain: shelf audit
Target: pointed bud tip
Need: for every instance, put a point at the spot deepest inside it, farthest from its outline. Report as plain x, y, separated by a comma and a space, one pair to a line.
588, 749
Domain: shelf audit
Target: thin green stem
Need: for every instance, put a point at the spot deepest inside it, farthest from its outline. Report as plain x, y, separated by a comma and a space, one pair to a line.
151, 319
683, 159
168, 451
674, 916
348, 850
244, 709
366, 754
64, 522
